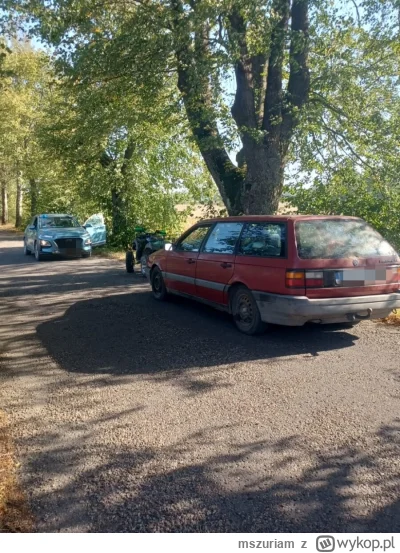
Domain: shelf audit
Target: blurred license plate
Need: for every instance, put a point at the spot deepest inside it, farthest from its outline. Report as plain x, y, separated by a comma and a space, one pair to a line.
366, 277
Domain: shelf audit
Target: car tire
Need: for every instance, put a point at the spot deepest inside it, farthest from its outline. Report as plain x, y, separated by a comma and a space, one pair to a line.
26, 251
38, 256
129, 262
246, 313
158, 285
143, 264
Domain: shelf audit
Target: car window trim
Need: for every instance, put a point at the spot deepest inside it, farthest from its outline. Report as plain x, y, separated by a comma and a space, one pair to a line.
284, 223
237, 240
189, 231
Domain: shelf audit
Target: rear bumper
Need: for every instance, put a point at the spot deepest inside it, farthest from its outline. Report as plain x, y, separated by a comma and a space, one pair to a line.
298, 310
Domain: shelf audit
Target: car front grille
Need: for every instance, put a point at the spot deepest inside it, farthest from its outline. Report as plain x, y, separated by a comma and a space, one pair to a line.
69, 244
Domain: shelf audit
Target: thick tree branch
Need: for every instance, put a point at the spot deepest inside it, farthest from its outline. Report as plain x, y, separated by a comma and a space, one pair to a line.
243, 109
273, 96
299, 78
194, 85
259, 71
127, 156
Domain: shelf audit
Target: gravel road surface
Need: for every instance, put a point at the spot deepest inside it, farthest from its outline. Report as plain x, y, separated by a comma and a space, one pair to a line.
131, 415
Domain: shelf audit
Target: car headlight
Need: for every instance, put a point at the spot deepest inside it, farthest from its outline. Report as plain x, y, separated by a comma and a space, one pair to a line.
87, 242
45, 244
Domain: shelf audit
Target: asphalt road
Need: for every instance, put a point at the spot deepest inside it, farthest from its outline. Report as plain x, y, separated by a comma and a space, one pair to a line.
130, 415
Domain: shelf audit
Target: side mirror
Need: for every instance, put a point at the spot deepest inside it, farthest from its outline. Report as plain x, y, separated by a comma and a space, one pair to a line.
32, 227
87, 225
168, 246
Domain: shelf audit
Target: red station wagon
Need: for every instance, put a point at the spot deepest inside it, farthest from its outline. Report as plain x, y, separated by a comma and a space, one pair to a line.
284, 270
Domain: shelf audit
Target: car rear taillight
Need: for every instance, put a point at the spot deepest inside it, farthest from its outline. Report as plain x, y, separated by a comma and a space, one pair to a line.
295, 279
304, 279
314, 279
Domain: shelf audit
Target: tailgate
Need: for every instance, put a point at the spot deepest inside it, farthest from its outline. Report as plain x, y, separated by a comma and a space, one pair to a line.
344, 257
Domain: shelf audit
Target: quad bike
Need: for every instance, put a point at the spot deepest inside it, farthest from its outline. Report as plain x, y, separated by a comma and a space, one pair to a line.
144, 244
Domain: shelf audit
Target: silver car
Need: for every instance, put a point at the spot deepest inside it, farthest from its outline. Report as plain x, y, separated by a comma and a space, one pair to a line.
51, 234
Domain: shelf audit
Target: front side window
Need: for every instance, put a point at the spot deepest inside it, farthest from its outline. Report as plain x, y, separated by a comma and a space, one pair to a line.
339, 238
263, 240
223, 238
58, 221
193, 241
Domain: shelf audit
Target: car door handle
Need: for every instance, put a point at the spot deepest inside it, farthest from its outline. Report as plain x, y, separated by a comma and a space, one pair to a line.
191, 260
225, 265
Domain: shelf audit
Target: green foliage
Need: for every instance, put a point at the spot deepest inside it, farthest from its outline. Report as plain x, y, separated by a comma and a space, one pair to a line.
116, 66
83, 149
355, 195
347, 148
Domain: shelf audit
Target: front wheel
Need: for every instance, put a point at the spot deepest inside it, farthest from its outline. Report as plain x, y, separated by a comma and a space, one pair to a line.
246, 313
158, 285
38, 256
26, 251
129, 261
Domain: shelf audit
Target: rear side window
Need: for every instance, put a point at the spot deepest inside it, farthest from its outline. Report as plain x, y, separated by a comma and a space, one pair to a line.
263, 240
339, 238
223, 238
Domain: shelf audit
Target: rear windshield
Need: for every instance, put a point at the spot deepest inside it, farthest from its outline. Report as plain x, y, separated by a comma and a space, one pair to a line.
339, 238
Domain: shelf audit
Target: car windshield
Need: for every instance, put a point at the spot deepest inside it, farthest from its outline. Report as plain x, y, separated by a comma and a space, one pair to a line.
58, 221
339, 238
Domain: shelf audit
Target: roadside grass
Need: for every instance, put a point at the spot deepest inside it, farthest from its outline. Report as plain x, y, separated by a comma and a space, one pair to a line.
15, 515
109, 252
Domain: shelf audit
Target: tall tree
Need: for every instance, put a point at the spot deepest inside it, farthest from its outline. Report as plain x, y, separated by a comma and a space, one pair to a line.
263, 53
24, 82
4, 195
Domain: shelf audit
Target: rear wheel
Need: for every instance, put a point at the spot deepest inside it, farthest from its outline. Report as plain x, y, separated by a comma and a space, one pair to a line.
158, 285
246, 313
38, 255
129, 262
26, 251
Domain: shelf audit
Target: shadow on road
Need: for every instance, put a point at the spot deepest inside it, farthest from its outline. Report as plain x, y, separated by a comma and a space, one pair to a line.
134, 334
132, 492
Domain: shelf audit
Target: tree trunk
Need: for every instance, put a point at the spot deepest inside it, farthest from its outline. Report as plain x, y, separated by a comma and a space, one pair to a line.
262, 187
4, 203
34, 195
266, 107
118, 213
18, 205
